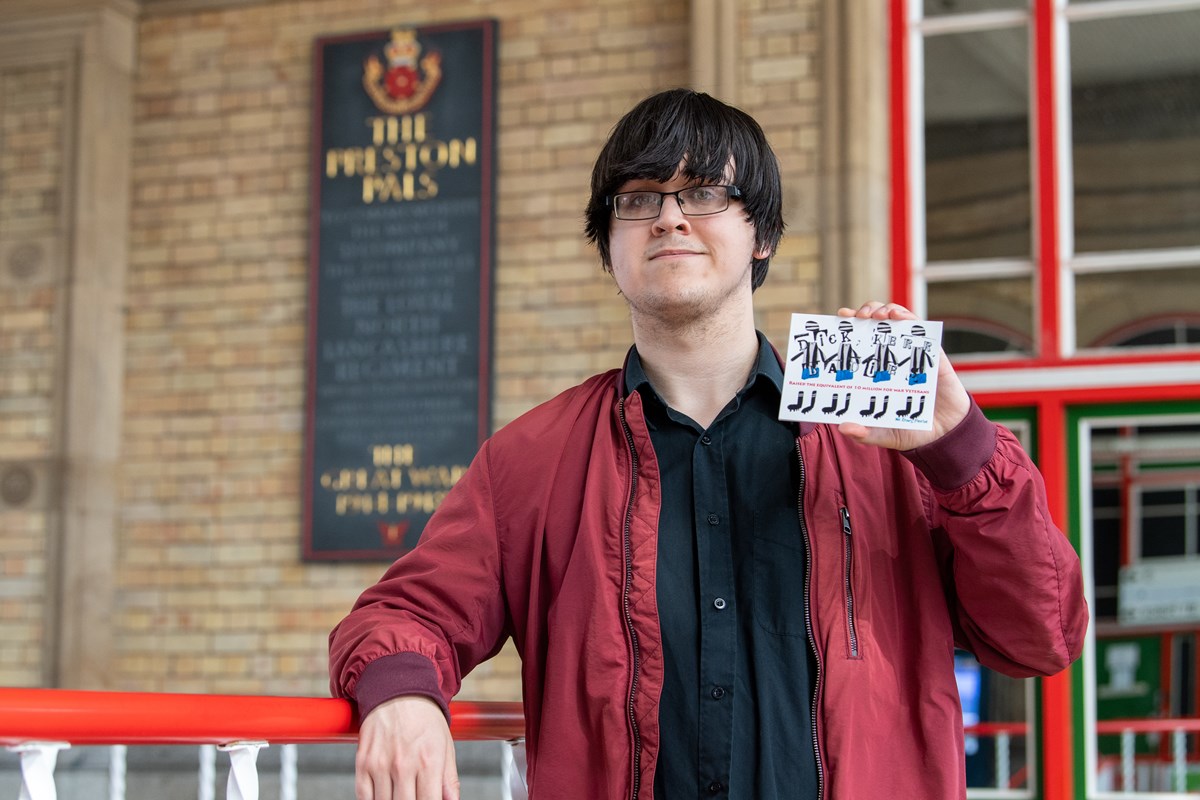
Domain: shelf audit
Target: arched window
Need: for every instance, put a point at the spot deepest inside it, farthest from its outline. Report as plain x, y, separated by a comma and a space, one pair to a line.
1174, 331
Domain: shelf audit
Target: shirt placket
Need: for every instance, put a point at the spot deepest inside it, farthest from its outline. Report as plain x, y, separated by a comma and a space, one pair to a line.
718, 629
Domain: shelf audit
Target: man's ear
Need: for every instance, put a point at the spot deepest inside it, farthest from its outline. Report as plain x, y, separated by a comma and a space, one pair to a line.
763, 251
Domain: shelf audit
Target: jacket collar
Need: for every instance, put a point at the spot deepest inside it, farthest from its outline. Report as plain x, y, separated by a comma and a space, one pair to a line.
769, 365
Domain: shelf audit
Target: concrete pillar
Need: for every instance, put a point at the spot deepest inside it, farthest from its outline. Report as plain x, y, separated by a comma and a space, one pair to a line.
855, 210
714, 48
95, 41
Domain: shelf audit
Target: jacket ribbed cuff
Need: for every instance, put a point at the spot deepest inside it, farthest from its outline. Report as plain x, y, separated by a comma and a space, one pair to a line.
956, 458
394, 676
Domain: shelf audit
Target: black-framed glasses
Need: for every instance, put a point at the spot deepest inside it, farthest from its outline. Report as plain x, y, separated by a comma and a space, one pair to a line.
696, 201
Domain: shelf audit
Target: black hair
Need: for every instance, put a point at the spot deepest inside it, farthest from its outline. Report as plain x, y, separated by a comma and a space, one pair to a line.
703, 133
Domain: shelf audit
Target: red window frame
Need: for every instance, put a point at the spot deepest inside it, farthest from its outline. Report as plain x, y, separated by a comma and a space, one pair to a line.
1146, 374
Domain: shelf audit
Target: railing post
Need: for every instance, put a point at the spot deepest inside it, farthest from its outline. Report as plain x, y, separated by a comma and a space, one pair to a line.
243, 769
1002, 760
116, 772
1179, 752
287, 772
512, 771
1128, 739
208, 773
37, 769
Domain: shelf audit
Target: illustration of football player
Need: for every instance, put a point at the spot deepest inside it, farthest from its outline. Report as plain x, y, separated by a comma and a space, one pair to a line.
810, 349
847, 358
920, 358
882, 363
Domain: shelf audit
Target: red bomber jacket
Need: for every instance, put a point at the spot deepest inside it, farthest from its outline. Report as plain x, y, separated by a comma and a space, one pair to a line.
551, 538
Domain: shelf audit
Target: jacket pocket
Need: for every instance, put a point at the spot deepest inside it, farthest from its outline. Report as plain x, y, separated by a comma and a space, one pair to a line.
852, 643
779, 584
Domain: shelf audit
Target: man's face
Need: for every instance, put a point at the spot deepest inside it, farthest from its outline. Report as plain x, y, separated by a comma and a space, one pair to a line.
678, 267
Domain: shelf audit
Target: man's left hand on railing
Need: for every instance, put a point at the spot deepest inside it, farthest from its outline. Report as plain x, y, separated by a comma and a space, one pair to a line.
405, 752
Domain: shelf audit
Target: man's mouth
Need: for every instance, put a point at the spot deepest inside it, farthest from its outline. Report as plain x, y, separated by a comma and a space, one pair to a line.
672, 252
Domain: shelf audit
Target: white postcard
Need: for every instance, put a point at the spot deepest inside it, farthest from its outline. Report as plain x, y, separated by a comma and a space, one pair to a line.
881, 373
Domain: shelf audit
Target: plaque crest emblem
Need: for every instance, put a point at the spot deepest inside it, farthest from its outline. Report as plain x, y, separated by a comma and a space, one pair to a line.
392, 533
407, 81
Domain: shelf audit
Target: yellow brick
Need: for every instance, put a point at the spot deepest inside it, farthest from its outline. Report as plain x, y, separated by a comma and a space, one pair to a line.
214, 393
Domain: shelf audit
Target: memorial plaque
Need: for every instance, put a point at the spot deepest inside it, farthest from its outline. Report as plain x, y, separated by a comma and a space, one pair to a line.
401, 254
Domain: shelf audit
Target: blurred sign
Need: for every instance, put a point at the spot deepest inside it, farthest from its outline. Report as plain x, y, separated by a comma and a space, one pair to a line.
1159, 592
1128, 676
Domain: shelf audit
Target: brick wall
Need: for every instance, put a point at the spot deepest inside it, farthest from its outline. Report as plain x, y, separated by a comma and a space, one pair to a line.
779, 86
212, 595
31, 147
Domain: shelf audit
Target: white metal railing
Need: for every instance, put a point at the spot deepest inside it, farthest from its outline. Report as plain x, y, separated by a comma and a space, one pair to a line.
1006, 784
38, 762
38, 724
1142, 776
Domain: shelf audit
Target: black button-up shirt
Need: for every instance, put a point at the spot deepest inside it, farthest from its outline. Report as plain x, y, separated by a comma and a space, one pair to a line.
736, 705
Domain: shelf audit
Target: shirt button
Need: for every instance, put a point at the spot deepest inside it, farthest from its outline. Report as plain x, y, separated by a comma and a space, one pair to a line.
719, 603
715, 787
706, 439
717, 693
713, 519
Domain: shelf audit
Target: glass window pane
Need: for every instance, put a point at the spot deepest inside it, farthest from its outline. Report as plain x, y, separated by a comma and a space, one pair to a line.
977, 185
1183, 653
1141, 477
992, 316
1135, 128
935, 8
1106, 565
1164, 537
1163, 332
1136, 308
1164, 497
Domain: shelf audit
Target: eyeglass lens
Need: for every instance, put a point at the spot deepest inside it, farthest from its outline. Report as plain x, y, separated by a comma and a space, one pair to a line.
694, 201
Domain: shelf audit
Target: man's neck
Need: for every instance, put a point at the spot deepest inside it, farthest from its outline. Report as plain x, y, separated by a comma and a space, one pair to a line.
698, 370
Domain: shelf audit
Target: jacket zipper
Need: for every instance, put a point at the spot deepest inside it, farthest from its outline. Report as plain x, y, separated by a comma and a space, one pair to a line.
808, 627
847, 536
633, 641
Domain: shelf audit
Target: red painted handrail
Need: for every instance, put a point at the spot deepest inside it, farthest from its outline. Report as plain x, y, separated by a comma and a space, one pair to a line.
144, 718
99, 718
1104, 727
995, 728
1118, 726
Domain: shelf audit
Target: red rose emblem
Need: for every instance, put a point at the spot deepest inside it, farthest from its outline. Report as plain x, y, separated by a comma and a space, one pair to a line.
402, 82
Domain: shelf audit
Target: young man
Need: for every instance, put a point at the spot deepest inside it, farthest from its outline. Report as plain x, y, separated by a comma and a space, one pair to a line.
709, 602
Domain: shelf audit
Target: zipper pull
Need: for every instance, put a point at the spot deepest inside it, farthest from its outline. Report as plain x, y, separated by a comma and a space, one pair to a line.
846, 521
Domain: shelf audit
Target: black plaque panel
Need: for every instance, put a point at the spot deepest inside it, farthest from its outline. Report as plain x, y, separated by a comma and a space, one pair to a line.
401, 258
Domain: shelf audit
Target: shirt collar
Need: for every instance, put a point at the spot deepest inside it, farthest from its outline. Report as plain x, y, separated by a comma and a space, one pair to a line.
767, 367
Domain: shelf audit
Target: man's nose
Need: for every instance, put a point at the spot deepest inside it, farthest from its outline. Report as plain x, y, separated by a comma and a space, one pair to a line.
671, 216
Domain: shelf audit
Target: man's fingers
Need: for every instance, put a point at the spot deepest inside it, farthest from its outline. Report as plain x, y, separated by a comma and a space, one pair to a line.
430, 784
450, 784
379, 787
367, 787
877, 310
403, 748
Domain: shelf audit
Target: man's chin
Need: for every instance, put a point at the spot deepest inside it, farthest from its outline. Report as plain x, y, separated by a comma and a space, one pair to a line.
677, 308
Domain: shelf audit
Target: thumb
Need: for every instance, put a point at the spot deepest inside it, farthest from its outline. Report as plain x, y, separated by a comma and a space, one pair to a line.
856, 432
876, 437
